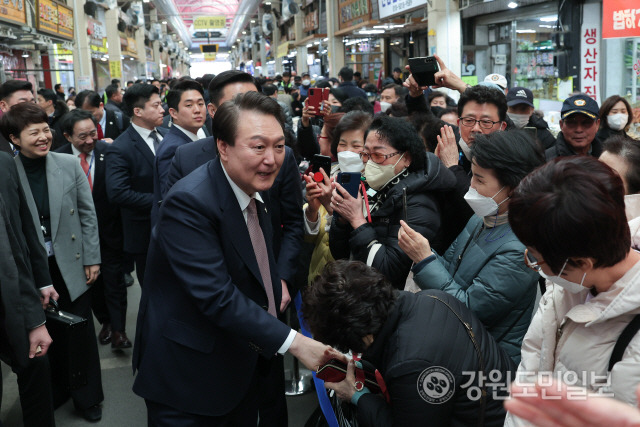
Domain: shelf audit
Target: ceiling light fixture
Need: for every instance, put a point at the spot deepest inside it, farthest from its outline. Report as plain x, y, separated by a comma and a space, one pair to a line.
512, 5
549, 18
164, 22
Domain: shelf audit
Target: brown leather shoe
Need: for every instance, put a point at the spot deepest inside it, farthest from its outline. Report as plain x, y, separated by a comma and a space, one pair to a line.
120, 341
105, 334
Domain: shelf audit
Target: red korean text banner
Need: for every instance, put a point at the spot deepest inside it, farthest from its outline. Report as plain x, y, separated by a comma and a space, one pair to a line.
620, 18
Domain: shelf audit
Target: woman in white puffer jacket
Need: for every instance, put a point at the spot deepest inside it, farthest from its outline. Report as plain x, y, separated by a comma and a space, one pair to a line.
570, 214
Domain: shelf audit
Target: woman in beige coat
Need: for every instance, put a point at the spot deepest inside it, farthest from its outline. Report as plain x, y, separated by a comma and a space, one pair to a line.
570, 214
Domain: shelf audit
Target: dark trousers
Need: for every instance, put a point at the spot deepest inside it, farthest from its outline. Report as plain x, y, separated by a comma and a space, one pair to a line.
141, 265
273, 402
109, 292
90, 394
243, 415
36, 397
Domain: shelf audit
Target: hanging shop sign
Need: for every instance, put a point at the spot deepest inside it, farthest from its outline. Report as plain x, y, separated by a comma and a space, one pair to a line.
47, 20
115, 69
589, 51
389, 8
310, 22
65, 22
353, 12
97, 36
209, 22
619, 19
283, 50
13, 11
53, 18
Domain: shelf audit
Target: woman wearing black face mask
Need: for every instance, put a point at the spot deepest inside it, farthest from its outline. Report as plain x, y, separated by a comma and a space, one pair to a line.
296, 104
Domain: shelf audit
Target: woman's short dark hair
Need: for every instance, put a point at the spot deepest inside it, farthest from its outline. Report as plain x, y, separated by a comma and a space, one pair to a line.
629, 150
401, 136
355, 120
225, 121
347, 302
484, 95
431, 131
136, 96
356, 104
18, 117
607, 106
572, 207
511, 155
339, 94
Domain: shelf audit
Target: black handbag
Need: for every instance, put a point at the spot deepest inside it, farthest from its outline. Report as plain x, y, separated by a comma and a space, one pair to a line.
69, 333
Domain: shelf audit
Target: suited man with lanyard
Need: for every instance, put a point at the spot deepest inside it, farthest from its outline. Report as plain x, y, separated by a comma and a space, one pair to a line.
79, 128
13, 92
287, 223
129, 172
110, 124
187, 110
207, 327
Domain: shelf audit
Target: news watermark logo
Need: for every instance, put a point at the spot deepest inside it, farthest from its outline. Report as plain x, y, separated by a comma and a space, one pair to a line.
436, 385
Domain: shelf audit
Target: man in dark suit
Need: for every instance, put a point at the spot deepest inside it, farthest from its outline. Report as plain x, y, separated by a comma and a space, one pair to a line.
188, 111
79, 128
114, 98
129, 175
207, 327
111, 124
13, 92
23, 270
287, 223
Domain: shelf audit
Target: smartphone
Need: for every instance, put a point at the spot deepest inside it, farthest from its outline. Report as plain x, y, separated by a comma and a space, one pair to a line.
424, 69
316, 96
404, 204
350, 181
320, 161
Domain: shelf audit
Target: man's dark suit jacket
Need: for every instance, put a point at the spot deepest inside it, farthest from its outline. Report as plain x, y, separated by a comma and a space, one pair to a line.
129, 178
109, 218
173, 139
5, 147
286, 192
24, 267
111, 129
203, 321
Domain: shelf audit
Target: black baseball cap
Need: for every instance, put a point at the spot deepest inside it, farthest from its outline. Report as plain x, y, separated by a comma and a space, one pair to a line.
582, 104
519, 95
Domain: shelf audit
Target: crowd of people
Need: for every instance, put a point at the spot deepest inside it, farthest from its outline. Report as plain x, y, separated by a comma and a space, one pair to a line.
455, 246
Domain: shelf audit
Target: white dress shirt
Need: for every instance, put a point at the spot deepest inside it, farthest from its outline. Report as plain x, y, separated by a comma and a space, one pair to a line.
90, 159
103, 123
191, 135
243, 200
146, 136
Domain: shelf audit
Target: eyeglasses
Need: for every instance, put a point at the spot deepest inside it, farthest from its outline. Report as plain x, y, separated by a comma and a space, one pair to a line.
375, 157
532, 262
484, 123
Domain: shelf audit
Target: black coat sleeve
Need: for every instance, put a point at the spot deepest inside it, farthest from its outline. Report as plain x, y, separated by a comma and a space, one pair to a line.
307, 143
118, 180
417, 105
290, 199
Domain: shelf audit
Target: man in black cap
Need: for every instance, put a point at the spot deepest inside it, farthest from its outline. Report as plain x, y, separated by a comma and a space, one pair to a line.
397, 76
520, 111
578, 125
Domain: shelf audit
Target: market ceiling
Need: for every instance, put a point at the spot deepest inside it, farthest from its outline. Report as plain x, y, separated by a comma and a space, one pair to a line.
235, 12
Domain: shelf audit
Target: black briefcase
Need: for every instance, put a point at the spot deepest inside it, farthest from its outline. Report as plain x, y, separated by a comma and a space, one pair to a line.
69, 333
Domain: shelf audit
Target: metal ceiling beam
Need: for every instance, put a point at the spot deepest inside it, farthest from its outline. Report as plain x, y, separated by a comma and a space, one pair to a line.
167, 9
245, 11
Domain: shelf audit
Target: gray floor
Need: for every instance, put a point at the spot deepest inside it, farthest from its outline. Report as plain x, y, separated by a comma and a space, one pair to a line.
121, 406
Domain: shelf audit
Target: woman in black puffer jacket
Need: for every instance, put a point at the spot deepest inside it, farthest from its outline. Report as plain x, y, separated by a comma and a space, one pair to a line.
395, 160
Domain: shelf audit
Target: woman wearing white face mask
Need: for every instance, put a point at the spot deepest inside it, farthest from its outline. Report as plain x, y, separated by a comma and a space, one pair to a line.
570, 214
615, 117
395, 163
347, 141
483, 267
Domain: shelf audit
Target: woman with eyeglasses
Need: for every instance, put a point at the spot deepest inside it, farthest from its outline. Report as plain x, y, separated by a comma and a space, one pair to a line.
404, 184
483, 267
570, 214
